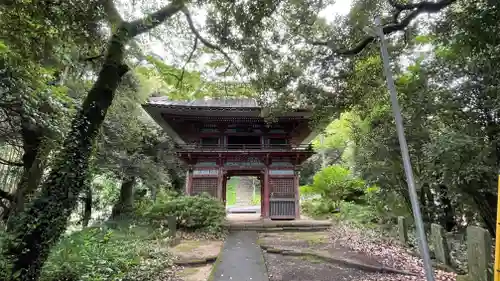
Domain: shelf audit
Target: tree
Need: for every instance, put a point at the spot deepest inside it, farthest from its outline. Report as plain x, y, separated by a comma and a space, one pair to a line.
235, 26
44, 221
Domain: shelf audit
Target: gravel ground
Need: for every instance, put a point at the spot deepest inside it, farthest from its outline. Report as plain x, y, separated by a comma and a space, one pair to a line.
291, 268
287, 268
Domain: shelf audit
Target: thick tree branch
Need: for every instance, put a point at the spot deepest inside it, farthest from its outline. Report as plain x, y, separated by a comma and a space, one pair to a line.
153, 20
414, 9
114, 17
205, 41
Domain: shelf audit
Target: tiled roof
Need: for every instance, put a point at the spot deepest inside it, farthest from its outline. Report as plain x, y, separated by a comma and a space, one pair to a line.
241, 103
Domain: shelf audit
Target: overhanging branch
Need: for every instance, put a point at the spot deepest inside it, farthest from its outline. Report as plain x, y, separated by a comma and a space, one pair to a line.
113, 16
414, 9
205, 41
153, 20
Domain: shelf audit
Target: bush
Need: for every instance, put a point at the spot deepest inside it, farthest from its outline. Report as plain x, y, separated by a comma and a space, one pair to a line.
192, 213
320, 207
336, 183
358, 214
102, 253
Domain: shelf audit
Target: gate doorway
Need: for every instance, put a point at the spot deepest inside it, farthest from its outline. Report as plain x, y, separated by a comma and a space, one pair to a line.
242, 192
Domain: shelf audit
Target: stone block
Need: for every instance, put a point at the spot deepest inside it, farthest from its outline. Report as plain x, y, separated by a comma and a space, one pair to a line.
172, 226
479, 245
438, 240
402, 230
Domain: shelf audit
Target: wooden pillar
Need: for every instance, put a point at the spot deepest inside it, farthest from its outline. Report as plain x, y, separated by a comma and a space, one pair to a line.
266, 193
224, 188
220, 181
262, 210
297, 194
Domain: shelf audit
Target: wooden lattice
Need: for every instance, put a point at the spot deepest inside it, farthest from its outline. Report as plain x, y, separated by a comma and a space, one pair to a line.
201, 185
282, 188
279, 209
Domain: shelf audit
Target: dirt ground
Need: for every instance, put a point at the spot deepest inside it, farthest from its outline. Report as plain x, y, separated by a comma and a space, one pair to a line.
196, 250
316, 241
293, 268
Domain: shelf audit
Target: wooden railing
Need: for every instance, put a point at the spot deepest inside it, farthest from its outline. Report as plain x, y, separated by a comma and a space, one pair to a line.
215, 147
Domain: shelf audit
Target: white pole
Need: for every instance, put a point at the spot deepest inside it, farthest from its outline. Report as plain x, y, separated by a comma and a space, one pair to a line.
424, 248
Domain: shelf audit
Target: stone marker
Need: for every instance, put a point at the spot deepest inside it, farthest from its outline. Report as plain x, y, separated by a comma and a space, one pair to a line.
172, 226
479, 253
172, 231
402, 230
438, 240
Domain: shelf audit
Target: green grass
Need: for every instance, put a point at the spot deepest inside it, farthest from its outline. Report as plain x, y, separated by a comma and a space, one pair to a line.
231, 191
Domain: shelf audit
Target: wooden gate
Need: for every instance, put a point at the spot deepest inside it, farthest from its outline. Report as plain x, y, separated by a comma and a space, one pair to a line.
282, 198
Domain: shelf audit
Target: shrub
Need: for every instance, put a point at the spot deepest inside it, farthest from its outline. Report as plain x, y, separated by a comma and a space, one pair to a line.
336, 183
192, 212
356, 213
320, 207
101, 253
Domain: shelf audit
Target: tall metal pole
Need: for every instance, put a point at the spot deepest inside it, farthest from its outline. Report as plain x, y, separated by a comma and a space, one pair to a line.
424, 248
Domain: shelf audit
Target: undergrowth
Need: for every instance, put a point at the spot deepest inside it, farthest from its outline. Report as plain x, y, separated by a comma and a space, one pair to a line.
133, 249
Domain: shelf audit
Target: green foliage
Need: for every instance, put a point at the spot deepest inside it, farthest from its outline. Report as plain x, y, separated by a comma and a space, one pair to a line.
193, 213
319, 207
357, 213
231, 191
103, 253
336, 183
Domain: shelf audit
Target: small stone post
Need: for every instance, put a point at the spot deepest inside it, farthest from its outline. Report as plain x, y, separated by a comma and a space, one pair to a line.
172, 226
479, 245
438, 240
402, 230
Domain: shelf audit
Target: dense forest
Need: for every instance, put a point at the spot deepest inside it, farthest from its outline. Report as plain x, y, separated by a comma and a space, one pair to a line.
77, 149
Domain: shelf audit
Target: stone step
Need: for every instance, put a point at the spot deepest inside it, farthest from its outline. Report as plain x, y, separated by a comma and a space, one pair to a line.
278, 229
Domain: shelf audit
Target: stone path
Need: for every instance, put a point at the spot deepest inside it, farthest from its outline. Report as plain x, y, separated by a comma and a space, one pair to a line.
244, 192
241, 259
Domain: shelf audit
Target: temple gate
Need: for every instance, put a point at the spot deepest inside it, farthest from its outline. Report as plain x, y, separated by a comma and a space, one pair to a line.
218, 139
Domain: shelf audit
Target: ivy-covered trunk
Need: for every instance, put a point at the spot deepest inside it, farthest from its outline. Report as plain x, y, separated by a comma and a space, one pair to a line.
125, 204
44, 221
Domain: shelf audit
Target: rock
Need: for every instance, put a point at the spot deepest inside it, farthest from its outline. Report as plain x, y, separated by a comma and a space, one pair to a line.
402, 230
479, 245
440, 244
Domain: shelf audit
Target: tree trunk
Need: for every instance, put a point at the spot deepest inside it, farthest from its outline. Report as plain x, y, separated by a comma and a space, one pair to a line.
448, 218
125, 204
87, 207
177, 182
43, 223
486, 203
30, 174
